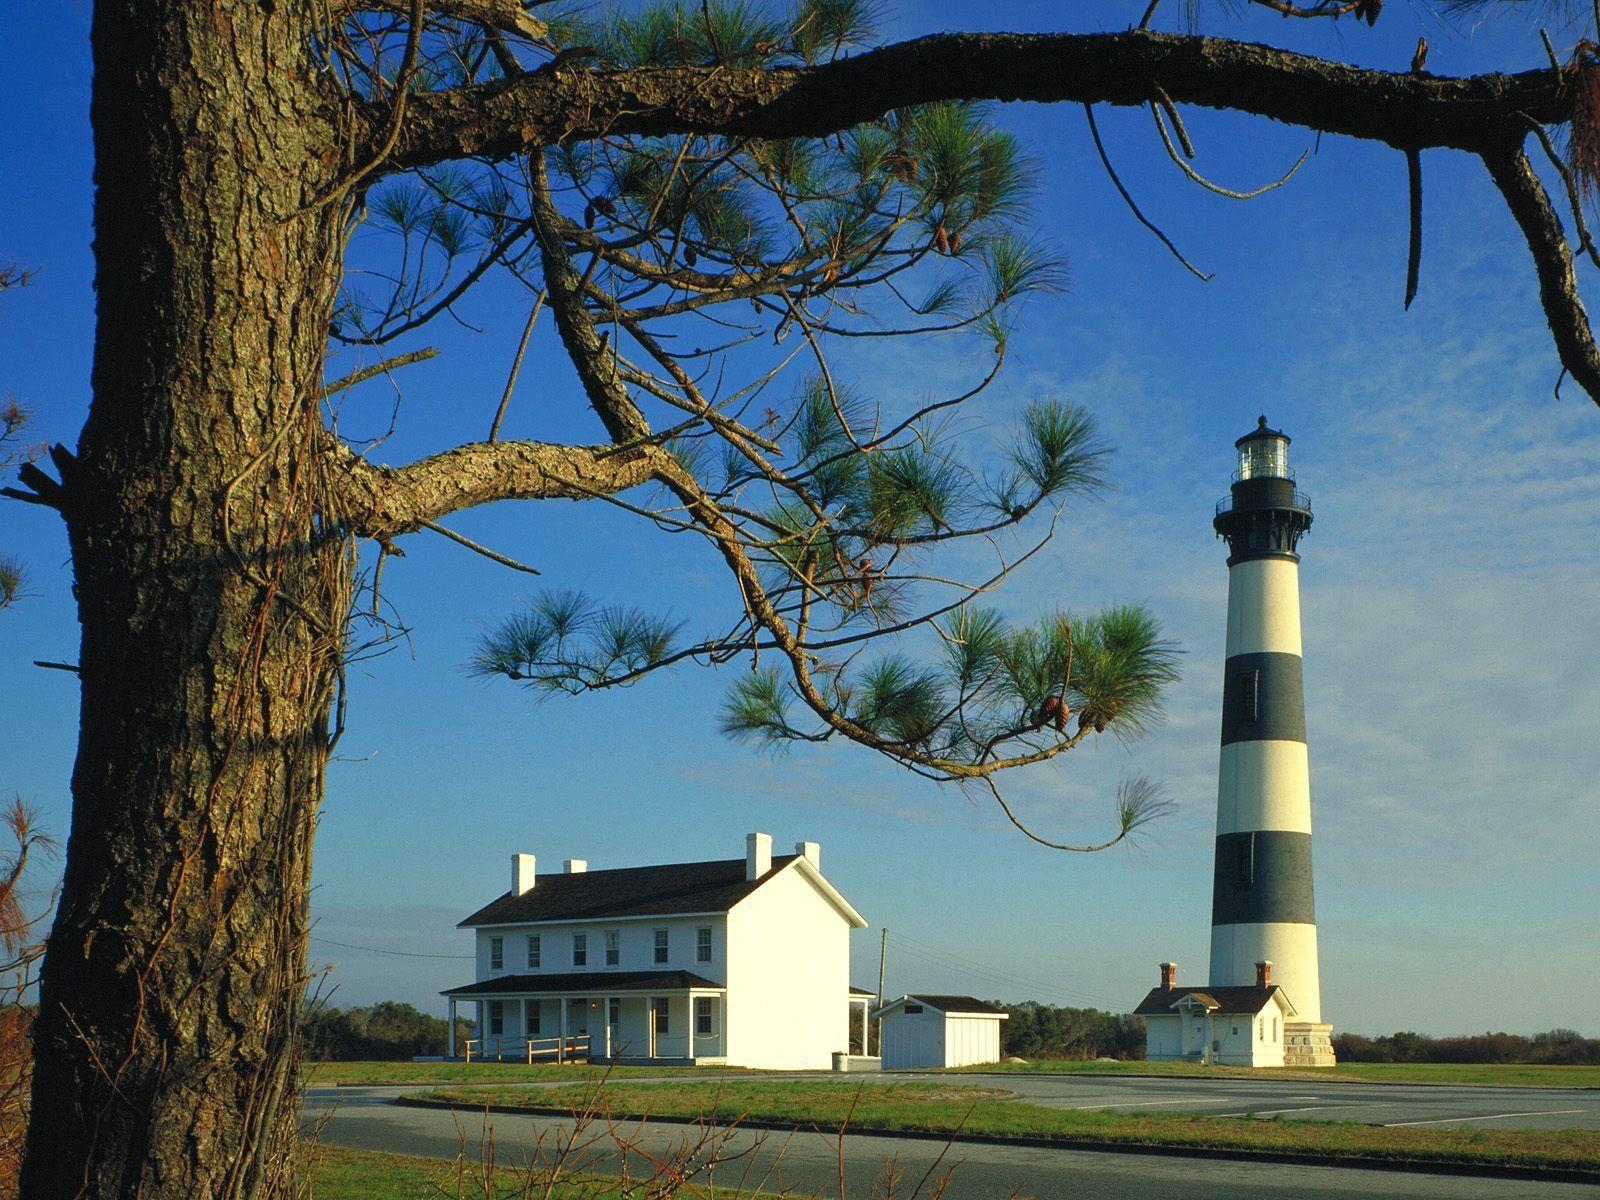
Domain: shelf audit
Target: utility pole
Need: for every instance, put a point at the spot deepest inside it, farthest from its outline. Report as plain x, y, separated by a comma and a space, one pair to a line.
883, 958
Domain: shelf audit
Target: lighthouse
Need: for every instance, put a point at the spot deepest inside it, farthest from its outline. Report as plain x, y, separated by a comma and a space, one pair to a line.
1263, 917
1263, 1006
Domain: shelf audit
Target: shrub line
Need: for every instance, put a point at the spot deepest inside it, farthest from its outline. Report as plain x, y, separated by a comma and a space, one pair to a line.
1069, 1142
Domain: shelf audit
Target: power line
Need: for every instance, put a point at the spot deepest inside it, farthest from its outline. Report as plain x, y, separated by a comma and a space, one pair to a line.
951, 959
986, 977
942, 957
392, 953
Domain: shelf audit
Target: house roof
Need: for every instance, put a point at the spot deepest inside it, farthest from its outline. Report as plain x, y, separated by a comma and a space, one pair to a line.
700, 887
855, 991
1249, 999
585, 982
950, 1005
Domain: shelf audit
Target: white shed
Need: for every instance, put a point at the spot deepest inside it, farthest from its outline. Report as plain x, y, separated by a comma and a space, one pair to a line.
939, 1031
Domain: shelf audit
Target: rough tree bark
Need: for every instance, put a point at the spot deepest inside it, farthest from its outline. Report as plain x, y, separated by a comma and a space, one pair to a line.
212, 604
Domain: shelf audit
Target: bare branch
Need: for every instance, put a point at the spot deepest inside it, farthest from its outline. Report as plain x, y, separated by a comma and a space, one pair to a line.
1530, 205
507, 16
1133, 207
565, 102
1414, 206
376, 501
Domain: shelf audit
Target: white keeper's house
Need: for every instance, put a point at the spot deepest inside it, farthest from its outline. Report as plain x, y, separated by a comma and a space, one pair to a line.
1240, 1026
742, 961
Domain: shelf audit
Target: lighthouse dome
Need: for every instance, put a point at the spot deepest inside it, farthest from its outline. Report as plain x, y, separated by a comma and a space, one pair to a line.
1263, 453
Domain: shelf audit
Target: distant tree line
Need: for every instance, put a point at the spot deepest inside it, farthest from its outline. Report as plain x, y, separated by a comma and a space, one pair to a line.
388, 1030
1047, 1031
1554, 1047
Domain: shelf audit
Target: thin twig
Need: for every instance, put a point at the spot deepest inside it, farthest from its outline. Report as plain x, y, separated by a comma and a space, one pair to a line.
1171, 109
1172, 153
382, 368
1574, 200
478, 548
1555, 63
1105, 161
516, 365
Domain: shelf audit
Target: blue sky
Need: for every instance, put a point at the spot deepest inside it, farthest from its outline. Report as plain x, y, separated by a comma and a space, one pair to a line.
1449, 587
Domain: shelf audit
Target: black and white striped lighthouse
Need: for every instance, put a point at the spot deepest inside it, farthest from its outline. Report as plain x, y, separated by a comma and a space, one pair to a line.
1262, 909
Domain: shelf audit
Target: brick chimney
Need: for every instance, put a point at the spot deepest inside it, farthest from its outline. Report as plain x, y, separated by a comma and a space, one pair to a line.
811, 852
757, 855
1264, 973
577, 866
1169, 976
522, 874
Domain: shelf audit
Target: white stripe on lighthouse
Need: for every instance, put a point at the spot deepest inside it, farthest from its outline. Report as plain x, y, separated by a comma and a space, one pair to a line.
1264, 607
1291, 948
1263, 785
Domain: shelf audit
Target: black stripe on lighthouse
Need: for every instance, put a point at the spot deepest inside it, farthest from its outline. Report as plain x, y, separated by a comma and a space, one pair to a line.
1263, 699
1263, 877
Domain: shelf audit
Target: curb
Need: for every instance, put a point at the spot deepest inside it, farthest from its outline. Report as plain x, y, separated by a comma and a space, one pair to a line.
1404, 1165
957, 1072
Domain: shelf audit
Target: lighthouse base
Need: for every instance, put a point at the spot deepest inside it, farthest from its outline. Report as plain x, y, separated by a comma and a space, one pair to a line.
1307, 1044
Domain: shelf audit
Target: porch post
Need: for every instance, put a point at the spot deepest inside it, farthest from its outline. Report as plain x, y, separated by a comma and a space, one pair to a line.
527, 1038
688, 1024
450, 1037
650, 1024
605, 1021
866, 1046
561, 1046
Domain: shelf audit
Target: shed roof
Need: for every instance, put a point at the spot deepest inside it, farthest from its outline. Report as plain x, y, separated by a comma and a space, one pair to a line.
963, 1006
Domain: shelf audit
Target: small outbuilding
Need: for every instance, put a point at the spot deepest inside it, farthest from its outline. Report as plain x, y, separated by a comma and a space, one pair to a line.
1234, 1026
939, 1031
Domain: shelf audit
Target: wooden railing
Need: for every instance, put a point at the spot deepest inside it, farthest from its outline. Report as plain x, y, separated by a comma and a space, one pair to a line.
576, 1048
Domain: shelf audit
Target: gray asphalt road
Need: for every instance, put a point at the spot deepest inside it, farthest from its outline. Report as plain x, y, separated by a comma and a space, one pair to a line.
808, 1164
1371, 1104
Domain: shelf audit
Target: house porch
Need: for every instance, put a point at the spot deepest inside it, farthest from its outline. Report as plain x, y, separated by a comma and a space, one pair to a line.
682, 1025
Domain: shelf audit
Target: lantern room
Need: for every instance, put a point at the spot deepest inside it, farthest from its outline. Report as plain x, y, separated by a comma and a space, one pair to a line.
1263, 454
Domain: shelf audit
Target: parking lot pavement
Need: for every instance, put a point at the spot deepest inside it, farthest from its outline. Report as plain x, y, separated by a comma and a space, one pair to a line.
1421, 1105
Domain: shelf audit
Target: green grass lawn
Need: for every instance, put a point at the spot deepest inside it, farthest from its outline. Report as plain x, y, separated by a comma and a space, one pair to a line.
949, 1108
376, 1073
1488, 1075
340, 1173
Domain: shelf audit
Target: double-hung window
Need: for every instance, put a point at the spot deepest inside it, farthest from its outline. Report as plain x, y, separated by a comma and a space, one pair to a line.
613, 947
702, 1015
661, 1014
533, 952
580, 949
661, 945
533, 1017
497, 954
497, 1017
702, 944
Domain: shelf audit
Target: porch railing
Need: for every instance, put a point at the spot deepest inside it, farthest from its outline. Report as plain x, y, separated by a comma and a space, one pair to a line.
575, 1048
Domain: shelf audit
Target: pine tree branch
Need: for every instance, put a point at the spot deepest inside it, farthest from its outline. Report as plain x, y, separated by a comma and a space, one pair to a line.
566, 102
377, 501
1530, 205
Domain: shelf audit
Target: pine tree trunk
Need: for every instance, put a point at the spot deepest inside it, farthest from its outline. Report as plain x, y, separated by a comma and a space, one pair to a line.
212, 598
